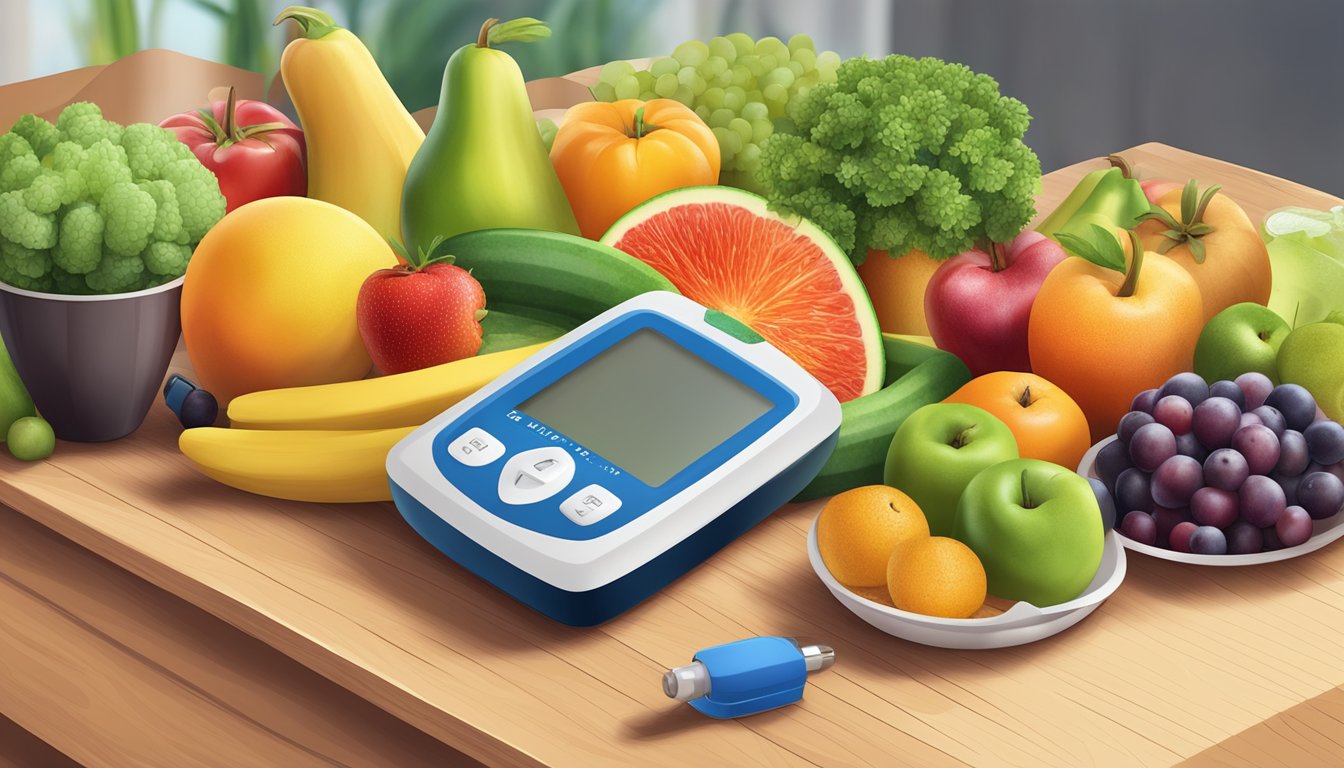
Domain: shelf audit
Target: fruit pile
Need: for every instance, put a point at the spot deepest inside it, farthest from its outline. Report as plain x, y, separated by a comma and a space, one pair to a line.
1233, 467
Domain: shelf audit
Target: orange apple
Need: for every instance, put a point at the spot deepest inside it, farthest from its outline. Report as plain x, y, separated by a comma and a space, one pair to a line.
1047, 423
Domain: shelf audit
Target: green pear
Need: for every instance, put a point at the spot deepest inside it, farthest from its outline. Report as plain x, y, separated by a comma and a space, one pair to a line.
1313, 356
1244, 337
14, 400
483, 164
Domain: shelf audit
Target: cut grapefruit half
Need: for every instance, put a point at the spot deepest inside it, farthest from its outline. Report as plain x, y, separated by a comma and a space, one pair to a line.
786, 280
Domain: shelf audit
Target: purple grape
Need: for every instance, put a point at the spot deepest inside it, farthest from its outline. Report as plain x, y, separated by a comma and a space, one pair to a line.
1144, 401
1225, 469
1325, 441
1271, 538
1167, 519
1207, 540
1293, 456
1295, 403
1244, 539
1262, 501
1130, 423
1249, 419
1255, 387
1258, 444
1112, 459
1190, 386
1189, 445
1270, 417
1176, 480
1214, 506
1133, 491
1175, 412
1293, 527
1140, 527
1215, 421
1105, 502
1179, 538
1321, 494
1289, 485
1151, 445
1334, 469
1230, 390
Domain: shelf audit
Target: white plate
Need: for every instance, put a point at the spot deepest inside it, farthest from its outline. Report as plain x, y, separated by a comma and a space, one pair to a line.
1323, 532
1022, 623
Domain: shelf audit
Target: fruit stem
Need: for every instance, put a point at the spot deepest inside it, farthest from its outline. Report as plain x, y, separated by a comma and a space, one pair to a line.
960, 439
1025, 398
1117, 161
483, 39
1026, 497
995, 263
642, 128
1128, 287
311, 21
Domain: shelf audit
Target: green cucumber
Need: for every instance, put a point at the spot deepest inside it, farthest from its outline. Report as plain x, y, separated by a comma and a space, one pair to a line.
916, 376
547, 281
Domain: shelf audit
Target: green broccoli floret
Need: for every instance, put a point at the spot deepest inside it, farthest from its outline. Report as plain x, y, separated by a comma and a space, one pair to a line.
128, 216
67, 159
45, 193
148, 148
80, 245
167, 215
198, 196
41, 135
104, 166
20, 225
12, 147
115, 274
11, 276
83, 123
68, 284
19, 173
166, 259
903, 153
25, 261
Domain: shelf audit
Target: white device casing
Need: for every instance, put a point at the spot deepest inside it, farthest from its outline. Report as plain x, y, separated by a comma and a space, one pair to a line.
583, 565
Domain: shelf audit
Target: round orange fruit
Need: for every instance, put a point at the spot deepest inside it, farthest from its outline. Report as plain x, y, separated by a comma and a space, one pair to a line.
1047, 423
896, 287
858, 530
269, 297
936, 576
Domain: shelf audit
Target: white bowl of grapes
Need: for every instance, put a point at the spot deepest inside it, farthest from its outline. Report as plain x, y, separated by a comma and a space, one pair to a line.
1230, 473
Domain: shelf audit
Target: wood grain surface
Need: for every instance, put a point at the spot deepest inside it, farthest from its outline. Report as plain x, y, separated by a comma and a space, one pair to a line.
1179, 660
118, 673
21, 749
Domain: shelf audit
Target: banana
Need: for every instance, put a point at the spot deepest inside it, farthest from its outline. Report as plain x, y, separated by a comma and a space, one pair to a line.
551, 276
300, 465
401, 400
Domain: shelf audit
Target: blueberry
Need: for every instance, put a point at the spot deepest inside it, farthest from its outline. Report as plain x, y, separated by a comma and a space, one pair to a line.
199, 409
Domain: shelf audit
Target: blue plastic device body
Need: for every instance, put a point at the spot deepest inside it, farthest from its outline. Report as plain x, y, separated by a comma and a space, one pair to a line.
175, 390
750, 676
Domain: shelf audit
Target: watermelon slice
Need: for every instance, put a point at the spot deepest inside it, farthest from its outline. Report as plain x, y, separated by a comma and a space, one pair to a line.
788, 281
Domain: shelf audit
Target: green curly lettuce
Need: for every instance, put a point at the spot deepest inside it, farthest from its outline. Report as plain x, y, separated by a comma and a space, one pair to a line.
902, 153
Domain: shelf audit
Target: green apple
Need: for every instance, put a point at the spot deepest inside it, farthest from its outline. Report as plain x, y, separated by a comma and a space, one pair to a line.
937, 451
1242, 338
1036, 527
1313, 357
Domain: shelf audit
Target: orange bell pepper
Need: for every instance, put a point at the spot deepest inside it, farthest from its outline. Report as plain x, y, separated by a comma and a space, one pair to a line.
1109, 325
611, 157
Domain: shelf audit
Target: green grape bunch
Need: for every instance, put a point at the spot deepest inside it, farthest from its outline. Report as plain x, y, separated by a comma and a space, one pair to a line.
901, 153
88, 206
739, 86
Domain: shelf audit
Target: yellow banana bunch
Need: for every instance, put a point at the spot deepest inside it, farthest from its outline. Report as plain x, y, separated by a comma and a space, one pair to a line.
328, 443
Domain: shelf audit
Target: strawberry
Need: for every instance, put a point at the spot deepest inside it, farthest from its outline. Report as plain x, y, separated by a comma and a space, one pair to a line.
422, 313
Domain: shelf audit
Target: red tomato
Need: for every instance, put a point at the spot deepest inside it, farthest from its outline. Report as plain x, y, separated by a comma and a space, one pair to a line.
252, 148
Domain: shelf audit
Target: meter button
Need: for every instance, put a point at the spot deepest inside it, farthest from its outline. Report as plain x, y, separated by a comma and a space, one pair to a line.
535, 475
476, 448
590, 504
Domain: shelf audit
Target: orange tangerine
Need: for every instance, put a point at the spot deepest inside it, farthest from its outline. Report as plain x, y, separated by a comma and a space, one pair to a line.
937, 576
858, 530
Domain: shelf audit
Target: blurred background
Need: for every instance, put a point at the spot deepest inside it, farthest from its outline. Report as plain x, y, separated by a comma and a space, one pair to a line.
1255, 82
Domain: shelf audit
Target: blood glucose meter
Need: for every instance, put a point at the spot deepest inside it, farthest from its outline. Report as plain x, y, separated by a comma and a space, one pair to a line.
616, 458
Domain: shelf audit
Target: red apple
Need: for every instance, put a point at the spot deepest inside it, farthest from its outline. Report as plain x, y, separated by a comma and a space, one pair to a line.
419, 314
1156, 188
977, 305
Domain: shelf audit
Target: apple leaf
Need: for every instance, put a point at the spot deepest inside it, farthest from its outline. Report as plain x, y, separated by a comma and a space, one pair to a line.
1101, 248
1335, 316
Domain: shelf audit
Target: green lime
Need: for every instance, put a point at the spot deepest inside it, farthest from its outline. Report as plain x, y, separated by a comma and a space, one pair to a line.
31, 439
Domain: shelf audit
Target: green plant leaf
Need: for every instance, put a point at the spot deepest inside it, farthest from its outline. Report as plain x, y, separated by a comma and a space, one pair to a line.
1189, 201
1196, 249
1100, 249
524, 30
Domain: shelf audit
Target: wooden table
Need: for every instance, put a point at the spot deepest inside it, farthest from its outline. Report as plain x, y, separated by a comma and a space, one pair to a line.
153, 617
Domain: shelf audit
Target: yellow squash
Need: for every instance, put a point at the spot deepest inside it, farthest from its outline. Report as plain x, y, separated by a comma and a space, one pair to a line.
360, 137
